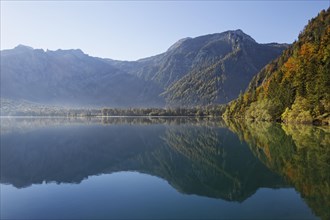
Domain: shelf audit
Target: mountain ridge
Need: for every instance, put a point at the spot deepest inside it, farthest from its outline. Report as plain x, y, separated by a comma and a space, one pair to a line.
63, 76
71, 76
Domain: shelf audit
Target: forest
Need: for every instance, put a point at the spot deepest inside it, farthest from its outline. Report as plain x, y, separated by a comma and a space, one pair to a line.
296, 86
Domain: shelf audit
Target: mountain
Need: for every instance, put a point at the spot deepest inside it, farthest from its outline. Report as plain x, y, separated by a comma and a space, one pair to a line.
70, 77
205, 70
296, 86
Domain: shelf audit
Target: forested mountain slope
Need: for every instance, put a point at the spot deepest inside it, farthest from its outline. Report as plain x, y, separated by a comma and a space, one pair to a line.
205, 70
296, 86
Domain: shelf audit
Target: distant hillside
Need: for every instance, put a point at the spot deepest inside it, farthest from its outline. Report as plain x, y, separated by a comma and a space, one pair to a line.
72, 78
205, 70
296, 86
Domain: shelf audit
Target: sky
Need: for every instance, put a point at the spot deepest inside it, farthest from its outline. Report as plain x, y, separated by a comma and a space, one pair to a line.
129, 30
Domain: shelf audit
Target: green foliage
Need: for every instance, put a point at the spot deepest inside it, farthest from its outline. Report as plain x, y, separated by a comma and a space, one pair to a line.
261, 111
299, 112
296, 86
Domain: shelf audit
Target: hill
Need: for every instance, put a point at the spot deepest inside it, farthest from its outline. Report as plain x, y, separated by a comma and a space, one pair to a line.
296, 86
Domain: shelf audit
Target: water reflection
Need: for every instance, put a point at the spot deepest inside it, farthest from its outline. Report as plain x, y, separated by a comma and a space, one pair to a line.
196, 156
217, 164
205, 159
299, 153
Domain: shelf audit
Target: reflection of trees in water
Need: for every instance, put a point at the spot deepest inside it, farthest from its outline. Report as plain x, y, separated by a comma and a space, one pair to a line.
219, 161
264, 139
300, 153
309, 168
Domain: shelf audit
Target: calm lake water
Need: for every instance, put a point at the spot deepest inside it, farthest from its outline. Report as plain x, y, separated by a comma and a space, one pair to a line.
162, 168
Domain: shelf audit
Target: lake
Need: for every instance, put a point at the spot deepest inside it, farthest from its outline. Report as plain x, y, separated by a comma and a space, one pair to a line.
162, 168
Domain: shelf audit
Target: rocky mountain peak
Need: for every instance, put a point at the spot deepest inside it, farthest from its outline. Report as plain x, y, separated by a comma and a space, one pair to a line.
23, 47
239, 35
178, 43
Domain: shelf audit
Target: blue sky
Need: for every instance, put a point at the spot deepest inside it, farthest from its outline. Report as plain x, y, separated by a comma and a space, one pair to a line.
129, 30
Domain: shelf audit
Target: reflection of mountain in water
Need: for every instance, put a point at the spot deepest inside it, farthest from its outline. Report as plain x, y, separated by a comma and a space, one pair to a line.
195, 158
70, 153
219, 164
299, 153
